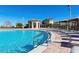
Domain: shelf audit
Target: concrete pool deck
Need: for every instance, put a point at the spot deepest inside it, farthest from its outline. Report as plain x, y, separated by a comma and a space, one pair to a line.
56, 47
39, 49
52, 47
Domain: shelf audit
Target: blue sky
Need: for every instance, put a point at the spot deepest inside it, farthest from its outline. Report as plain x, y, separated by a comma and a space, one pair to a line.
16, 13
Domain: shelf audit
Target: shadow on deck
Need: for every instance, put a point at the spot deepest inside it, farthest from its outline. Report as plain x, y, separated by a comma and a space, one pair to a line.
66, 44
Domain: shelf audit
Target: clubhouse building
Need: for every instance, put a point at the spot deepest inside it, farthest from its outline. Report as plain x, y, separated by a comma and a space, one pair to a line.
34, 23
71, 24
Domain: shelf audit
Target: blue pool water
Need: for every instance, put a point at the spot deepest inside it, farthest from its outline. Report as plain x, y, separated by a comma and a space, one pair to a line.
20, 41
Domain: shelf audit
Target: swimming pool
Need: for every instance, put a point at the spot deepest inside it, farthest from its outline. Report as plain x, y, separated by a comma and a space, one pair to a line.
21, 41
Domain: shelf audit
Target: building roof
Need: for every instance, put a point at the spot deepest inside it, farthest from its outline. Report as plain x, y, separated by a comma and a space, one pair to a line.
74, 19
34, 20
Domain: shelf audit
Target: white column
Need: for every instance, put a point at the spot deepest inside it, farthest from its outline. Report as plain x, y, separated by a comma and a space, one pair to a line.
32, 25
39, 25
36, 24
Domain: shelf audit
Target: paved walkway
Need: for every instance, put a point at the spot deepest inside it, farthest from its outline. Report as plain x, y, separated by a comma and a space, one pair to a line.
56, 47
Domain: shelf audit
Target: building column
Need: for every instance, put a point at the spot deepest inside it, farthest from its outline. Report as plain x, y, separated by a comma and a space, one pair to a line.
36, 24
39, 25
32, 25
